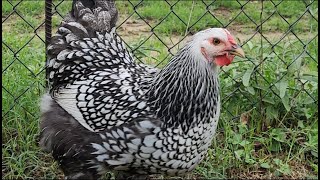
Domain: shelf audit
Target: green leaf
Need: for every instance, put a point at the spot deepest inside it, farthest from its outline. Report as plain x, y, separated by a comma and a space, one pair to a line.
280, 137
285, 102
310, 78
314, 167
295, 65
246, 77
239, 154
242, 128
236, 139
285, 168
308, 112
260, 87
311, 73
265, 165
249, 43
250, 90
272, 112
275, 146
300, 124
314, 11
307, 100
278, 134
287, 44
244, 143
315, 154
250, 161
268, 99
277, 161
282, 87
277, 173
271, 56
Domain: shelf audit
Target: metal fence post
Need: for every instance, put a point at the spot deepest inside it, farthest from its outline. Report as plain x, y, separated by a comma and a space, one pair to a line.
48, 25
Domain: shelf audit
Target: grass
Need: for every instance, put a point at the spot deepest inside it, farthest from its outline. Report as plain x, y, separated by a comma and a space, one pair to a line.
269, 121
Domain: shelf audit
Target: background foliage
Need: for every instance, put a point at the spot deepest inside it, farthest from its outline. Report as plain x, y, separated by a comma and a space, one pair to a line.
269, 120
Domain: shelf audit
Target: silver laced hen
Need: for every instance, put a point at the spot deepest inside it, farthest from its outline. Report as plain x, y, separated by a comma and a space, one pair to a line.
104, 112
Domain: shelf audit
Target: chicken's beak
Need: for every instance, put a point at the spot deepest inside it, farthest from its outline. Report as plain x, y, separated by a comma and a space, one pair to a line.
237, 51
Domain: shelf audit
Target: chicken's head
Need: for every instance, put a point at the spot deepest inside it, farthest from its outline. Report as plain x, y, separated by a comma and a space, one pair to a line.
216, 45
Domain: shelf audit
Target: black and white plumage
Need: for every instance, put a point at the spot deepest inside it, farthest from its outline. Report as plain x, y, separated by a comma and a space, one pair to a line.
106, 112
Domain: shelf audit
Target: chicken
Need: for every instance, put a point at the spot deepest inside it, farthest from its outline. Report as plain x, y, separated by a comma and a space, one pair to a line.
104, 112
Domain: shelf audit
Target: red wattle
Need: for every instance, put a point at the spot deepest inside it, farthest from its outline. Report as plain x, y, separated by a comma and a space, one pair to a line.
223, 60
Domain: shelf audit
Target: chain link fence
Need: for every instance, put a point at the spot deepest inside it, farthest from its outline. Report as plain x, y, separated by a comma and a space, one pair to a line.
276, 80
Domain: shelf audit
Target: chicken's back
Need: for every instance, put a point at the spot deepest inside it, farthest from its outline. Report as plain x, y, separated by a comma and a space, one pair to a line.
91, 74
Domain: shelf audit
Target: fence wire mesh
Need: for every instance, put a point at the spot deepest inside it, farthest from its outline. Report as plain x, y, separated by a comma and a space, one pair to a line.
279, 37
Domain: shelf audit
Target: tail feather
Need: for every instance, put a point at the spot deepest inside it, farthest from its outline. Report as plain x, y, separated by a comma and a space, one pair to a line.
86, 18
96, 14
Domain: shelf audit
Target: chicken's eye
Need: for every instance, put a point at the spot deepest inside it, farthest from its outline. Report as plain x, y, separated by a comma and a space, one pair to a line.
216, 41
